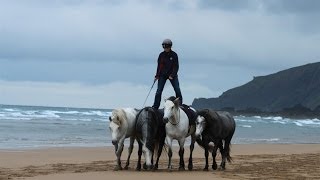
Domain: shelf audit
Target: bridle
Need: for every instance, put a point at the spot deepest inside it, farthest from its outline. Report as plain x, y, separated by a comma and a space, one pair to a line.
177, 118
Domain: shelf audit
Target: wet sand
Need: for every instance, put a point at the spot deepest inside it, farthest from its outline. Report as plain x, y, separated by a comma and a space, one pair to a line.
256, 161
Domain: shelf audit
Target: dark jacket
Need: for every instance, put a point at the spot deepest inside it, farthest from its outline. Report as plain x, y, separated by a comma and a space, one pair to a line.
168, 64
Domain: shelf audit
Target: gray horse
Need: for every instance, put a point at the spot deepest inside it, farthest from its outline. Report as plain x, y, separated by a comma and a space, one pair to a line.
216, 127
150, 134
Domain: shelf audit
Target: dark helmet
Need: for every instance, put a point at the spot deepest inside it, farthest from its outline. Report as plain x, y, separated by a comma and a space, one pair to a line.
167, 43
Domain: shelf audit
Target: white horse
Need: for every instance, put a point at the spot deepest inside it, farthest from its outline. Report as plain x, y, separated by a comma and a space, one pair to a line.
122, 126
178, 128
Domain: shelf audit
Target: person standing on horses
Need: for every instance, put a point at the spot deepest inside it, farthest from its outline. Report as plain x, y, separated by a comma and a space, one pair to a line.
168, 66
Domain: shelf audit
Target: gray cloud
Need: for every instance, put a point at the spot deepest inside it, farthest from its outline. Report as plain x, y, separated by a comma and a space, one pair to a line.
221, 44
133, 31
292, 6
271, 6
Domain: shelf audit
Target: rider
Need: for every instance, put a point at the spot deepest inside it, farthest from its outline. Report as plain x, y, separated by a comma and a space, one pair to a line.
168, 66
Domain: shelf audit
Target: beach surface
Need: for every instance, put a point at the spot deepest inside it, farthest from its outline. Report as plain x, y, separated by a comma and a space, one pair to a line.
250, 161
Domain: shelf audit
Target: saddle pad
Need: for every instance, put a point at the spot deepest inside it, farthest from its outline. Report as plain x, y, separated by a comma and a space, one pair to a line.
190, 113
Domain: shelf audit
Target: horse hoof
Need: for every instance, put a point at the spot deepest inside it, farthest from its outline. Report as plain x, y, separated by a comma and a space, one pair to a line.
205, 169
190, 167
181, 169
222, 168
214, 167
117, 168
155, 168
148, 168
145, 166
138, 168
126, 168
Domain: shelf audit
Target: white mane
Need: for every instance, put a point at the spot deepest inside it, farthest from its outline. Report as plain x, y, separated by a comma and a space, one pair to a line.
118, 116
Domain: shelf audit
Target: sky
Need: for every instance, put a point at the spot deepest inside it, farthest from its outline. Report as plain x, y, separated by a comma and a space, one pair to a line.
103, 53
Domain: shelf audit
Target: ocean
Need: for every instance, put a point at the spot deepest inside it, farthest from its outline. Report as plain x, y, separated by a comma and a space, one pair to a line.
31, 127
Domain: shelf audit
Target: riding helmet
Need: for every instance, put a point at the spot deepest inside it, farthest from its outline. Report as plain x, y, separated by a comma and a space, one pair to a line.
167, 43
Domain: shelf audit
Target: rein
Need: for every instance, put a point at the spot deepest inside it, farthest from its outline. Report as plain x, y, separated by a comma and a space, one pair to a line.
177, 118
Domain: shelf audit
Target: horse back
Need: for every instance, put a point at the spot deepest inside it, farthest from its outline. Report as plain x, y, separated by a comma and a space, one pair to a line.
220, 123
226, 123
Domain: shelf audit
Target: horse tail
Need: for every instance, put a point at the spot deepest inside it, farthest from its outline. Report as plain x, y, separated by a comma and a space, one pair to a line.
227, 148
155, 151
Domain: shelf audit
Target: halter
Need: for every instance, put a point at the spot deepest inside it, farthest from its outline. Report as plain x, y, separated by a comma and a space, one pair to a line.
178, 118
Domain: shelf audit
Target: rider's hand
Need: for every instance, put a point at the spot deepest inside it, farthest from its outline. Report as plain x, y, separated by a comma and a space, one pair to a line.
170, 77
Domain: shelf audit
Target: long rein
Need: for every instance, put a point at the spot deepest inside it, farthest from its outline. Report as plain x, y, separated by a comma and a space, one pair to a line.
177, 118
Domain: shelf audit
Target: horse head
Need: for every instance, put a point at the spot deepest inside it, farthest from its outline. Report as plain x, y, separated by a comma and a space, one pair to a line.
200, 126
171, 108
116, 125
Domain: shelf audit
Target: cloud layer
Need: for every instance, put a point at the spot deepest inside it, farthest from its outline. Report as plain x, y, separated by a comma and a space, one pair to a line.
221, 43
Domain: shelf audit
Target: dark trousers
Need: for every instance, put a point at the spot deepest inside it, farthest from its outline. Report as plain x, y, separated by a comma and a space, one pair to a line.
161, 82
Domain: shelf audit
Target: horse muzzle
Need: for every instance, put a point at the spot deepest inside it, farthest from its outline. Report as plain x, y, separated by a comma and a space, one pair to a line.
114, 142
198, 136
165, 120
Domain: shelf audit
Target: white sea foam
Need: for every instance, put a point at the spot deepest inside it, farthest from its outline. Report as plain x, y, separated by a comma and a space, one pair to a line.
246, 126
10, 110
307, 122
273, 118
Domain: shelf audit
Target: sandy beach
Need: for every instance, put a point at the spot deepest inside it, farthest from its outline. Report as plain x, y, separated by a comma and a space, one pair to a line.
254, 161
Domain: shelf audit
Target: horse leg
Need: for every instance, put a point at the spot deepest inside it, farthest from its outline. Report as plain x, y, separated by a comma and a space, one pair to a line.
223, 155
118, 154
139, 156
155, 167
181, 154
214, 154
226, 153
169, 144
129, 153
206, 154
193, 139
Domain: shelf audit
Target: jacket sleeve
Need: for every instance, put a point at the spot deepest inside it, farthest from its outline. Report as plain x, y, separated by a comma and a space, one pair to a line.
158, 68
175, 66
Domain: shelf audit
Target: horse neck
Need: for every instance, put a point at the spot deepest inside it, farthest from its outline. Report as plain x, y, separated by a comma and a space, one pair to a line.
126, 128
176, 116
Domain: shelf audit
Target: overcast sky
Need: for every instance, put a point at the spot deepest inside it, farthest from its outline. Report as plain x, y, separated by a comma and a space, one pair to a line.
103, 53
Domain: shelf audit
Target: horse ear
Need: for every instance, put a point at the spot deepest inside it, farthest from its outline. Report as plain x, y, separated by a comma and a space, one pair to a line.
177, 101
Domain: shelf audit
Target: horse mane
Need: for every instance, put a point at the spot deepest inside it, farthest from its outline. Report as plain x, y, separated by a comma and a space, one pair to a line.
120, 115
210, 116
171, 98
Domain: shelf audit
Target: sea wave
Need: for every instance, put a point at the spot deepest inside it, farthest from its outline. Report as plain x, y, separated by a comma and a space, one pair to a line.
18, 114
277, 120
